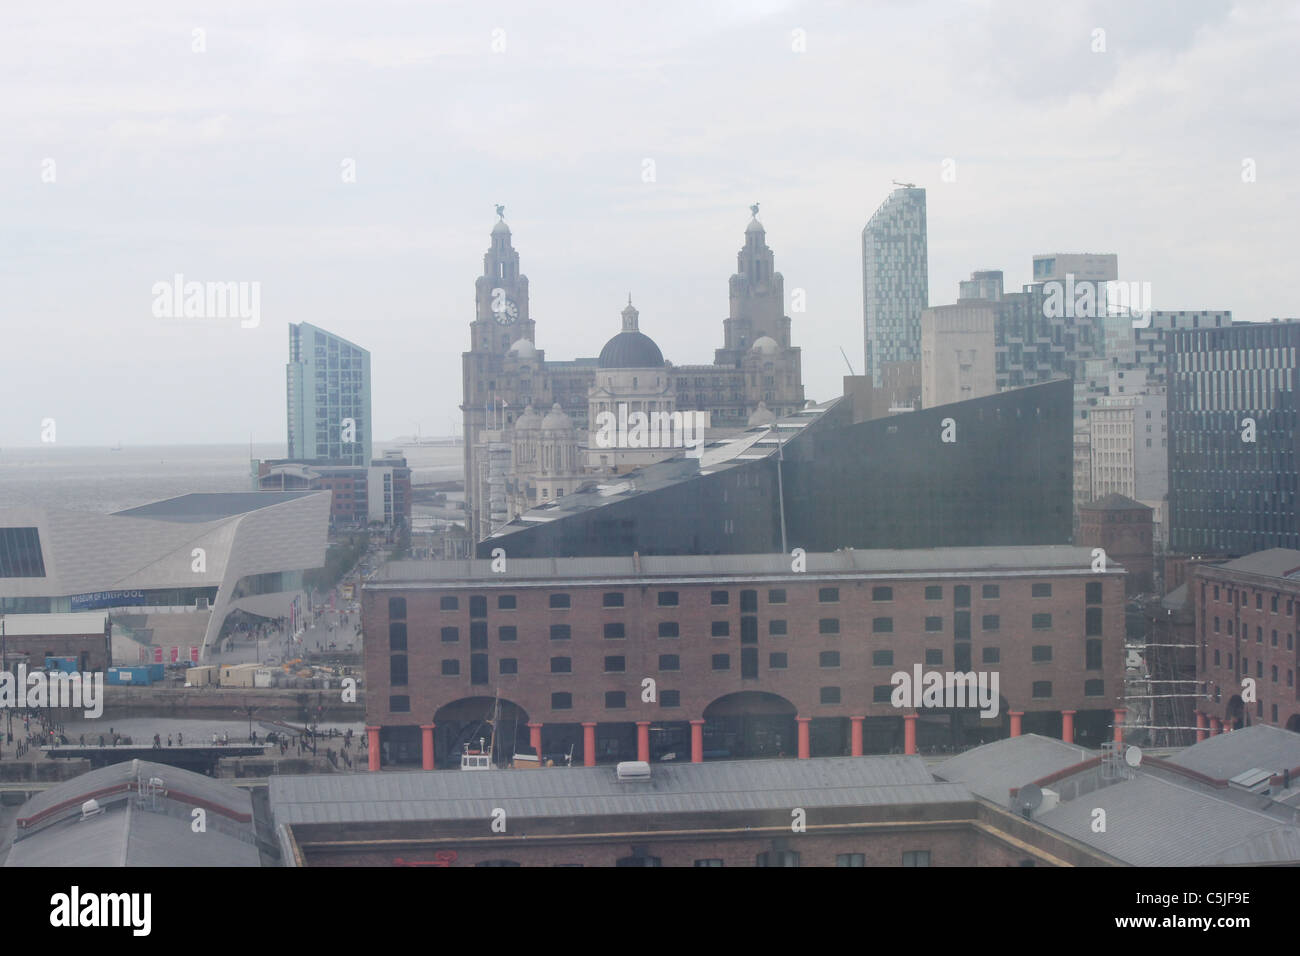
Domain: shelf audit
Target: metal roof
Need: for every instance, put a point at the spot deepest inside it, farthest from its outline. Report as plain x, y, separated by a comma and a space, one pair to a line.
1223, 756
575, 791
1273, 563
1036, 558
994, 769
211, 506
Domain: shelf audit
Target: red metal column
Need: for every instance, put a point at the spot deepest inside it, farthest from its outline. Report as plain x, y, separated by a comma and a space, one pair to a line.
588, 744
535, 740
372, 744
805, 740
1201, 726
643, 740
1015, 722
909, 733
697, 741
1216, 726
1067, 726
1119, 724
855, 736
426, 745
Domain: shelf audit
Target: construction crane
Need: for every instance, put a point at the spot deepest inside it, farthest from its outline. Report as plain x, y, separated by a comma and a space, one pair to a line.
847, 362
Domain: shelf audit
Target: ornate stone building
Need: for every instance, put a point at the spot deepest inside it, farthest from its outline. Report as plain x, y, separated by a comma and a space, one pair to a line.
756, 373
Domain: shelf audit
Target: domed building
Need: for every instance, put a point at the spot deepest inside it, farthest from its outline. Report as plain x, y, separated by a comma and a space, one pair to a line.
504, 372
546, 463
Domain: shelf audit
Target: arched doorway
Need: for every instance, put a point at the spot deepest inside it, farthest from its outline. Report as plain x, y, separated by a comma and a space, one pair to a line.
1237, 712
470, 720
750, 724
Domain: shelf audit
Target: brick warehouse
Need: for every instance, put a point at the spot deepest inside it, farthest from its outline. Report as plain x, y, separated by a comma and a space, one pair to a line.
1246, 627
747, 657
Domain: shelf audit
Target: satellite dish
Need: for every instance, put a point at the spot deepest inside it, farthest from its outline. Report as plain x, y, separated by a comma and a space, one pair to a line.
1029, 798
1133, 756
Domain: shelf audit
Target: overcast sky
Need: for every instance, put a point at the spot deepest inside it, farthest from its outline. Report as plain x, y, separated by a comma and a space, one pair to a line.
226, 164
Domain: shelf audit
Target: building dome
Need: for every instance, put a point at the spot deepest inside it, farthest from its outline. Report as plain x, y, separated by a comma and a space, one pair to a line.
762, 415
766, 345
754, 226
500, 228
556, 420
631, 350
529, 419
523, 349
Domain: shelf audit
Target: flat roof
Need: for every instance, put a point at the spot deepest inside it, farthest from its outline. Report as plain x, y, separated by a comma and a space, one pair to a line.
1272, 563
35, 625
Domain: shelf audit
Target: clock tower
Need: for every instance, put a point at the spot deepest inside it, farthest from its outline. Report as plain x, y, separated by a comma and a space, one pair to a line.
500, 297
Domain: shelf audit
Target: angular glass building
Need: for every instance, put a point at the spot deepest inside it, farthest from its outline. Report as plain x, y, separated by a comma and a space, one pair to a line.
1233, 436
895, 280
328, 381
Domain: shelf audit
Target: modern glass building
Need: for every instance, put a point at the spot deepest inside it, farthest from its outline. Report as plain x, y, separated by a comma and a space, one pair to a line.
1233, 436
328, 382
895, 280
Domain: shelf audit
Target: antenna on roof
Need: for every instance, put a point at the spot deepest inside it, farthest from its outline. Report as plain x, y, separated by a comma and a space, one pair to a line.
847, 362
904, 185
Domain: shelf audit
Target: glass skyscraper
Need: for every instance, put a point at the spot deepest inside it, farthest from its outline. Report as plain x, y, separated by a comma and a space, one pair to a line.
895, 281
328, 382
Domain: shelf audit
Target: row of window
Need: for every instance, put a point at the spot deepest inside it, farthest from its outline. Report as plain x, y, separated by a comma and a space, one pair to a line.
1259, 601
1259, 634
1259, 668
748, 598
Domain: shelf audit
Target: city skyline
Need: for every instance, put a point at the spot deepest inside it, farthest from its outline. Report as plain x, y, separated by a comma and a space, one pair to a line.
210, 181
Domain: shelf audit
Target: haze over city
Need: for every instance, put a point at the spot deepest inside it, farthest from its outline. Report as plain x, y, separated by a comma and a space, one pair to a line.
228, 163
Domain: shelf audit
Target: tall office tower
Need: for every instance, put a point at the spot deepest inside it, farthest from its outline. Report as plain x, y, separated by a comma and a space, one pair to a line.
1152, 341
895, 282
328, 382
1113, 339
1233, 438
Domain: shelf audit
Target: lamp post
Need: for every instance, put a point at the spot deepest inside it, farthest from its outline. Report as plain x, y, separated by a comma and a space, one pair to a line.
780, 490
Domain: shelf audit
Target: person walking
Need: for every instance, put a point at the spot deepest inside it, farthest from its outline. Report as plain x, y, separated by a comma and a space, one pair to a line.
169, 740
180, 738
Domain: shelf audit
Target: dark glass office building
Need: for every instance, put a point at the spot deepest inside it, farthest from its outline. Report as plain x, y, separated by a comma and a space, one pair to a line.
1232, 438
991, 471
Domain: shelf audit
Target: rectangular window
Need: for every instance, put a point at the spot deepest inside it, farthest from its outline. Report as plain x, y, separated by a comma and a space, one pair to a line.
828, 595
934, 624
670, 662
450, 668
961, 625
1092, 621
615, 664
830, 695
397, 635
559, 601
668, 629
1042, 622
506, 602
882, 594
1091, 688
507, 632
776, 627
850, 859
478, 635
882, 658
1041, 590
989, 591
719, 597
710, 862
933, 656
615, 700
990, 622
828, 625
748, 662
916, 858
1041, 653
934, 592
721, 629
1042, 689
748, 602
509, 665
1092, 592
722, 662
961, 595
399, 704
828, 659
614, 630
561, 665
449, 603
560, 632
397, 670
667, 598
776, 596
991, 655
777, 661
1092, 655
612, 599
881, 625
882, 693
562, 701
397, 607
749, 630
477, 606
450, 635
670, 698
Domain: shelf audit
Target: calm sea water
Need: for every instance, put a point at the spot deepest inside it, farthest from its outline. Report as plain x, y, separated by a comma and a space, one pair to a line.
101, 480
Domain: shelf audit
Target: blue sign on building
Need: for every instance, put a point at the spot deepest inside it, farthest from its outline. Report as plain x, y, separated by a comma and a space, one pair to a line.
98, 599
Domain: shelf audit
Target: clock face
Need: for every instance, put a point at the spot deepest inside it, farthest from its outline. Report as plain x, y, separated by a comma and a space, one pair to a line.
508, 313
